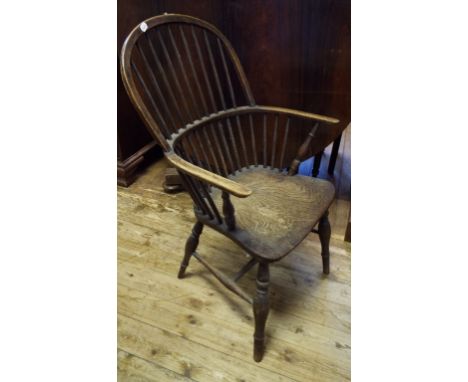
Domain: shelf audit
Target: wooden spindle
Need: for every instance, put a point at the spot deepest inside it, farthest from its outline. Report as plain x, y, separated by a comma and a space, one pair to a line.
188, 148
285, 139
226, 148
213, 205
148, 93
244, 148
301, 153
273, 147
233, 99
166, 129
165, 81
206, 196
194, 73
252, 135
221, 96
228, 212
234, 144
218, 148
171, 66
210, 148
198, 146
197, 193
193, 193
188, 152
203, 66
184, 73
215, 70
223, 58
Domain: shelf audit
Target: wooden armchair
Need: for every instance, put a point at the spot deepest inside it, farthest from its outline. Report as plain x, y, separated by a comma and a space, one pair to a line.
234, 157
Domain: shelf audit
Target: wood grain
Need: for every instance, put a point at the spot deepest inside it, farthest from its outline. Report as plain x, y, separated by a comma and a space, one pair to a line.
286, 208
132, 368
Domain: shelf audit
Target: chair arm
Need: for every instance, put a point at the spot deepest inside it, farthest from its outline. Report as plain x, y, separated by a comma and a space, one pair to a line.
209, 177
299, 114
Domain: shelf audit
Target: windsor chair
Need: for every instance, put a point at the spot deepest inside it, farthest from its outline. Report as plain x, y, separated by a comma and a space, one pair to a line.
185, 80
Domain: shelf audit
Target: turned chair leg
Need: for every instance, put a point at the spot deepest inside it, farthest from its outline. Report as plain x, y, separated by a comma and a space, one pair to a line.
324, 231
261, 307
190, 247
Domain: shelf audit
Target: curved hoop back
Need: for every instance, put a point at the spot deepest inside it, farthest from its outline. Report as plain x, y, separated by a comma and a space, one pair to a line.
175, 71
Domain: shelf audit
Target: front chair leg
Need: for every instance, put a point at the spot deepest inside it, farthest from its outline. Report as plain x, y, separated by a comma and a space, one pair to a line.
261, 307
190, 247
324, 231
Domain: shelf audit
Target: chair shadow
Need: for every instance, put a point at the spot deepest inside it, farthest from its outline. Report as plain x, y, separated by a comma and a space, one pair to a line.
282, 299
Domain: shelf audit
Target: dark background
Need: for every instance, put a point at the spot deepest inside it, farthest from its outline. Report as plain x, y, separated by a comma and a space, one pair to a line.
296, 53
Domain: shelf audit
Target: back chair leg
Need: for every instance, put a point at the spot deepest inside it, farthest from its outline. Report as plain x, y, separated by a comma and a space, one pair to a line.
190, 247
324, 231
261, 308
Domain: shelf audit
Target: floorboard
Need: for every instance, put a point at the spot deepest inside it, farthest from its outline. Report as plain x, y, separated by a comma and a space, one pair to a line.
196, 330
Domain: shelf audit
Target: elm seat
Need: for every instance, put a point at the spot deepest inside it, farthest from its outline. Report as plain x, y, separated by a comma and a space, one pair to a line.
282, 207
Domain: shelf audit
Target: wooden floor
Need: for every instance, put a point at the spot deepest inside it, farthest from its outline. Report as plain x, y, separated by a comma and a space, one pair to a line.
194, 329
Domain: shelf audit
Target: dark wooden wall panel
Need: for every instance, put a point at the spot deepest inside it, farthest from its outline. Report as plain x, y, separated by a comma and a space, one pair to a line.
296, 53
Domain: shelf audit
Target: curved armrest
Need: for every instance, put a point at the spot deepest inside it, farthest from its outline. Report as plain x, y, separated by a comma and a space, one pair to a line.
224, 184
299, 114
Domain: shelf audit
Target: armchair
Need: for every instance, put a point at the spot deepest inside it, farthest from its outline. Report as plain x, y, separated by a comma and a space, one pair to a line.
235, 158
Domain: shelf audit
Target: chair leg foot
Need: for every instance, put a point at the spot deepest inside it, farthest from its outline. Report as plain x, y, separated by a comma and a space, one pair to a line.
324, 234
261, 308
190, 247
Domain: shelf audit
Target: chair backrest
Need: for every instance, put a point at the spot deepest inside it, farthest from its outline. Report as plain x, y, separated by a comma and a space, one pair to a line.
178, 69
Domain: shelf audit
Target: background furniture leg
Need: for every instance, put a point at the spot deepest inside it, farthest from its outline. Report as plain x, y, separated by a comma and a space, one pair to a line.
317, 160
347, 236
334, 155
190, 247
172, 181
324, 234
260, 308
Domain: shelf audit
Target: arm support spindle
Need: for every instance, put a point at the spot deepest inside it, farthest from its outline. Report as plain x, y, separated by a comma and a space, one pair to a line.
301, 153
